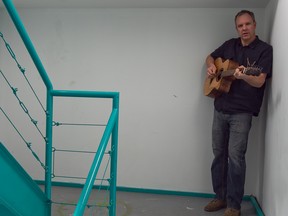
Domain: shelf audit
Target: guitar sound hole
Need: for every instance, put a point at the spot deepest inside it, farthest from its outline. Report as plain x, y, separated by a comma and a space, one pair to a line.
219, 72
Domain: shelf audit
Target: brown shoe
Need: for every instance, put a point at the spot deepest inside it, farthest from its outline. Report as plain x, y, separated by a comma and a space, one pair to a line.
215, 205
232, 212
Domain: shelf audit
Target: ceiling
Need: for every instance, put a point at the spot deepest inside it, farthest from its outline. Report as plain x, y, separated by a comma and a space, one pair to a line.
140, 3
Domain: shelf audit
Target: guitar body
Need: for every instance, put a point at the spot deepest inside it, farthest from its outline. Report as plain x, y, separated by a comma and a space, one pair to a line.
215, 86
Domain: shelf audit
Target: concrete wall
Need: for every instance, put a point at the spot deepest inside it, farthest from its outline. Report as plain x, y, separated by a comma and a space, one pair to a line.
275, 192
155, 59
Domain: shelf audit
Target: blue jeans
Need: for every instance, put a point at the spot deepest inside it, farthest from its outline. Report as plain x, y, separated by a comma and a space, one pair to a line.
229, 141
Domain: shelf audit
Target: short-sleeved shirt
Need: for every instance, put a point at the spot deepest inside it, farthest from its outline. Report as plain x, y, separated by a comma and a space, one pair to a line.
242, 97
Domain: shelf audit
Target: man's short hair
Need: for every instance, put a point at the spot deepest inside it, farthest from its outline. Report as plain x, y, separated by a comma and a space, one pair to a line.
240, 13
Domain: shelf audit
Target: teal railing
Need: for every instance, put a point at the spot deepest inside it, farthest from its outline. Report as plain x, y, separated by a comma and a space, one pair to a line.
111, 129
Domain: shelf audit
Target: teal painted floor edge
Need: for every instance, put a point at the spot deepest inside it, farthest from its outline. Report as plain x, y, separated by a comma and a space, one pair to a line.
250, 198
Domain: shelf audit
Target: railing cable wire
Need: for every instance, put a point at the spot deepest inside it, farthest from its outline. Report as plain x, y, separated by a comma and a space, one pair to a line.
22, 105
28, 144
21, 69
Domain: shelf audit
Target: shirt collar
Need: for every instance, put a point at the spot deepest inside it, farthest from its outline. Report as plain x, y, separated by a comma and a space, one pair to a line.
252, 44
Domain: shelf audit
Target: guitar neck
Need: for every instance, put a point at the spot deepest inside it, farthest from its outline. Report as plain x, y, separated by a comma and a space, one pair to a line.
249, 71
227, 73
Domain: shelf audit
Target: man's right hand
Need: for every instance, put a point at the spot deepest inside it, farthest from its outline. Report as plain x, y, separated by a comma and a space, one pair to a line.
211, 71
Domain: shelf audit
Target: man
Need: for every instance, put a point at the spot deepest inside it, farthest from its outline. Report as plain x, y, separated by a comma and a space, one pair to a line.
234, 110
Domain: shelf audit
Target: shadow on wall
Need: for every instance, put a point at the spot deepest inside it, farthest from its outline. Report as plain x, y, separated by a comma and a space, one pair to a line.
270, 14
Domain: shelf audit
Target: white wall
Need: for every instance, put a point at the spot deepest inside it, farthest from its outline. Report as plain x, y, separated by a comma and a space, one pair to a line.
275, 192
155, 59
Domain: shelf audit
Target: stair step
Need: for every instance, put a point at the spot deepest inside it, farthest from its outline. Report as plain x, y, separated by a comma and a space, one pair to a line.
19, 194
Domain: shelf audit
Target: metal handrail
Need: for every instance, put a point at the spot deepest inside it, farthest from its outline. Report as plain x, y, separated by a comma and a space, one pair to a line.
111, 128
83, 200
49, 100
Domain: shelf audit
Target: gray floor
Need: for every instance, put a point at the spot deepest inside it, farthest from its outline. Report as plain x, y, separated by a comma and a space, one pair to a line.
137, 204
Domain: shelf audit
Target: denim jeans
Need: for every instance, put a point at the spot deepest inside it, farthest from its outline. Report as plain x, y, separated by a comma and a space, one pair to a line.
229, 141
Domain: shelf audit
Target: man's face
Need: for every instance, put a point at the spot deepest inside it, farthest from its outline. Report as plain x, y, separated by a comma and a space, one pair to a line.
245, 27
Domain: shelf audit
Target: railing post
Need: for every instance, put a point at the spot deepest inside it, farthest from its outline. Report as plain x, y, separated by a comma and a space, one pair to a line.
48, 158
114, 153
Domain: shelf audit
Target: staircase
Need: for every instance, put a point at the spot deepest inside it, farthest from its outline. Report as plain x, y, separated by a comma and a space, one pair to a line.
19, 194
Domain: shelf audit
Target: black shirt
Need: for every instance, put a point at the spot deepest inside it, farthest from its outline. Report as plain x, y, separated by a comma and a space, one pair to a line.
242, 97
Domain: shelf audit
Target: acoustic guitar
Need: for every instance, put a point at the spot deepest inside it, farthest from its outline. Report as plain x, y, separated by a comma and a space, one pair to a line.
221, 83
